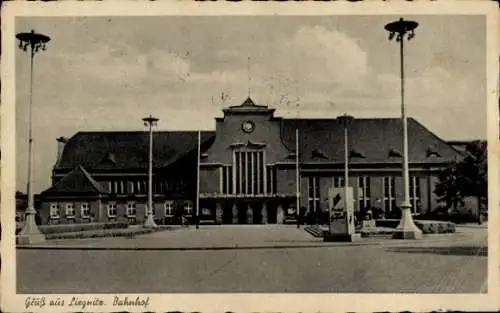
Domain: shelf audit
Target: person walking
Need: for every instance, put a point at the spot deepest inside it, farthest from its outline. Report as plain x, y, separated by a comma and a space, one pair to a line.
185, 221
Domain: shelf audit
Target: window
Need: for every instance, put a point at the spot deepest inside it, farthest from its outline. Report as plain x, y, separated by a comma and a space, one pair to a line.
338, 181
169, 208
130, 188
415, 193
112, 209
363, 192
271, 180
188, 208
131, 209
139, 189
115, 190
54, 210
85, 210
249, 172
313, 191
389, 193
227, 180
70, 210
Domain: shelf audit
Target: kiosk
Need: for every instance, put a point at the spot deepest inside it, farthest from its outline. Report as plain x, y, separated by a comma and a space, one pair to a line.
341, 224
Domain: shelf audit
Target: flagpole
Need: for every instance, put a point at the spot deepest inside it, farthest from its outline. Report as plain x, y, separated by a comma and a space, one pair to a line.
198, 182
297, 176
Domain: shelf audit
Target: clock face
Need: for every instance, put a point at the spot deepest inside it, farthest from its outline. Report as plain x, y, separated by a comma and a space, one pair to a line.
248, 126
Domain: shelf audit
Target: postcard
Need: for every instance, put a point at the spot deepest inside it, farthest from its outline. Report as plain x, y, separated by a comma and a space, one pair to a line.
249, 157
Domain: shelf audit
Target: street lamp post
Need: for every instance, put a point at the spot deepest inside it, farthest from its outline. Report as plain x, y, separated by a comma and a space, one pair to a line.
30, 234
345, 120
402, 30
149, 122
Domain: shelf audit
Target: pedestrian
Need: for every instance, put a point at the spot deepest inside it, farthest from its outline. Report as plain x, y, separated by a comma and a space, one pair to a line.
185, 221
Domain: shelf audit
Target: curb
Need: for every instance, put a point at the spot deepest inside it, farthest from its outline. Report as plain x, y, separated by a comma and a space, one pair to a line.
388, 242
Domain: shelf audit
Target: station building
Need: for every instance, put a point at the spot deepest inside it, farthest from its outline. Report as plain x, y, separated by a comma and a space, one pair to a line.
247, 169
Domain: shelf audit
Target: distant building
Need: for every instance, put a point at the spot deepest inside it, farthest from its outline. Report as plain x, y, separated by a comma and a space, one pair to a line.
247, 171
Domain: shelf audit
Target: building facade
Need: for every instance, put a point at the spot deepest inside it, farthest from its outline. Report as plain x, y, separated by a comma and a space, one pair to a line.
247, 169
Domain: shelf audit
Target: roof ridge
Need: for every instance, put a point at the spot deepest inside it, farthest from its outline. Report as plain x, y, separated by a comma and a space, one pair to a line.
94, 183
439, 139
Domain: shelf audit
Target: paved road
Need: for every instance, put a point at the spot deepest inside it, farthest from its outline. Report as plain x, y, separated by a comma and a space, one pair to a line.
454, 264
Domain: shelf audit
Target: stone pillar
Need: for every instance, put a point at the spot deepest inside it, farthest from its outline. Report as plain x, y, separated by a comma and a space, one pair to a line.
218, 213
264, 213
235, 214
249, 214
280, 215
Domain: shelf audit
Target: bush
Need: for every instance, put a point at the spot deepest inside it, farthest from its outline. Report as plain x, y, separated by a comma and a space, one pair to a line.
427, 227
69, 228
102, 233
457, 218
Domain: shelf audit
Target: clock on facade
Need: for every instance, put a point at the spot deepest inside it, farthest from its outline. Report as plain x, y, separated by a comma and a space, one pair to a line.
248, 126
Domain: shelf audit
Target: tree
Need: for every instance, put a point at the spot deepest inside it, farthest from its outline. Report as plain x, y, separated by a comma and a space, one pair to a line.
467, 177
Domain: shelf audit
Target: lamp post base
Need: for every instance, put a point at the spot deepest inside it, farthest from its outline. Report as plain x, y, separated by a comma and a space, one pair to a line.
150, 223
407, 228
30, 234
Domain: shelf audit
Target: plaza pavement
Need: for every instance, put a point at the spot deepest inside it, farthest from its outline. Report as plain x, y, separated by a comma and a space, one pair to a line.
209, 237
298, 262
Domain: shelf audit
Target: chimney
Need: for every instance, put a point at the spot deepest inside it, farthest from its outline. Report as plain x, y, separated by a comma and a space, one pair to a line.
61, 142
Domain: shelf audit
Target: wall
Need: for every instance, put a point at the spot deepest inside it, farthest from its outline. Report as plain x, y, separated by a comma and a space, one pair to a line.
210, 180
45, 211
229, 131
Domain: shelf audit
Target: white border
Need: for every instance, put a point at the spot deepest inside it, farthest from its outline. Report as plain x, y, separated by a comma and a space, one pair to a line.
12, 302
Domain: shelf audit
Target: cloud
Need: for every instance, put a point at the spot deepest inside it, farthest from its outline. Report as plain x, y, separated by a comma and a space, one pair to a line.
328, 72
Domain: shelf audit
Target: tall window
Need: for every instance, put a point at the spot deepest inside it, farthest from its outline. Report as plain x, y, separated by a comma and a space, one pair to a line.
389, 193
249, 172
271, 180
338, 181
131, 208
70, 210
169, 208
414, 193
130, 187
313, 191
111, 209
54, 210
227, 180
363, 192
85, 210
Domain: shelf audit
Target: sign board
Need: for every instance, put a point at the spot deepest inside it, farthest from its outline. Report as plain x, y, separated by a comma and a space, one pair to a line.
341, 211
369, 225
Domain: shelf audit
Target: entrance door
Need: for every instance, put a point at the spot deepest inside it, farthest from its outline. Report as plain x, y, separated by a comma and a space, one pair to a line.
242, 213
271, 213
257, 213
227, 213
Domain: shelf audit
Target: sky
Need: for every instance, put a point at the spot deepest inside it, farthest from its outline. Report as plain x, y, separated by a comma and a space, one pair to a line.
107, 73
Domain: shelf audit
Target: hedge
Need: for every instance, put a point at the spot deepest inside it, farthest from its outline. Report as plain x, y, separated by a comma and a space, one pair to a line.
454, 218
427, 227
69, 228
128, 232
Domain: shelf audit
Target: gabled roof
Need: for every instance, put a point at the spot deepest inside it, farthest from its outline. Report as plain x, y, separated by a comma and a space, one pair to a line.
128, 150
375, 140
77, 181
248, 106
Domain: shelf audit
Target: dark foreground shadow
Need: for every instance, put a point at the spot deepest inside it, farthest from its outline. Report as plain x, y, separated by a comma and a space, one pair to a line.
481, 251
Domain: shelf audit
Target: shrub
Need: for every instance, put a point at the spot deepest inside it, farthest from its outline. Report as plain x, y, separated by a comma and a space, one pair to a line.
104, 233
68, 228
427, 227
